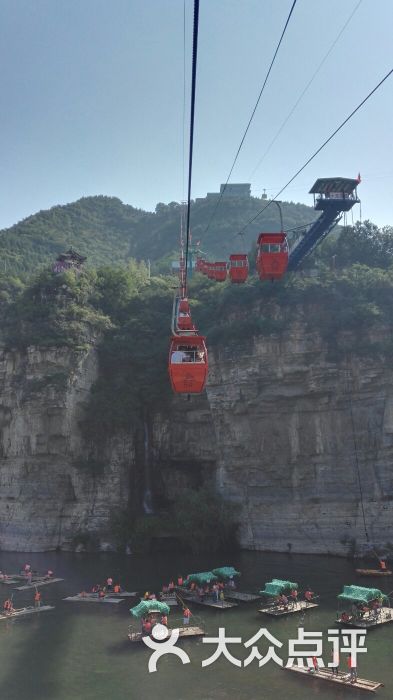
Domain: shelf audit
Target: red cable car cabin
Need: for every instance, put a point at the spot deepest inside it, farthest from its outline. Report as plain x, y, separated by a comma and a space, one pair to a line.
238, 267
184, 306
184, 320
188, 364
272, 255
220, 271
210, 270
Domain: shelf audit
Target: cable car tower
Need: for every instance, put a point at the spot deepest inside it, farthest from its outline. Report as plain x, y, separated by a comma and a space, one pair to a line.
332, 196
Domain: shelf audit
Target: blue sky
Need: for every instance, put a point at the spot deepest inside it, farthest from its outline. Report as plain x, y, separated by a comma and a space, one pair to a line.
92, 99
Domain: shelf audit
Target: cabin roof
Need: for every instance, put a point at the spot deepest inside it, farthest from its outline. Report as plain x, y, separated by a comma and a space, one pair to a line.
277, 586
325, 185
360, 594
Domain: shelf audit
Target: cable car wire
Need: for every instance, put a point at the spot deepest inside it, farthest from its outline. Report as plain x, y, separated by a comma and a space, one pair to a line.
318, 150
357, 465
251, 117
184, 95
272, 142
298, 228
192, 115
356, 453
183, 137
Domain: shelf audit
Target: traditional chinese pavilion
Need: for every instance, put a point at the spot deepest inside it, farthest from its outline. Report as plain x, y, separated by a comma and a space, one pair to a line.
71, 260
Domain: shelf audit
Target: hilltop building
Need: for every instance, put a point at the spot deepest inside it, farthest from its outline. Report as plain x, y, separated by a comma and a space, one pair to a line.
241, 190
71, 260
237, 189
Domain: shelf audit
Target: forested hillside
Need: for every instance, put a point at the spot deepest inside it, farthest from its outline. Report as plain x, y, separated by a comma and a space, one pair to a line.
217, 230
130, 311
98, 227
109, 232
123, 314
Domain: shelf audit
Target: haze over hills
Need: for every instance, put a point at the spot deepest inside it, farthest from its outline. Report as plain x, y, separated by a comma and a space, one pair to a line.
110, 232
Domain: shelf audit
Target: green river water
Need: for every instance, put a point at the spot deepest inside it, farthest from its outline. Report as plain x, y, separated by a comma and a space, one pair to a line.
80, 651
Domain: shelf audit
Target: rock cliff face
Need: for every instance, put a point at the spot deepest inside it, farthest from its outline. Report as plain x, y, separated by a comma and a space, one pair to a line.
289, 436
49, 496
298, 438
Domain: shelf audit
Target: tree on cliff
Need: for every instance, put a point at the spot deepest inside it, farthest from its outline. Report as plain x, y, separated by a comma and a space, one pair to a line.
364, 243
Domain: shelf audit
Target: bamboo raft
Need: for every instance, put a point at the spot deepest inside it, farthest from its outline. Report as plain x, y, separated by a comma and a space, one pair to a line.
210, 603
207, 601
385, 615
220, 605
191, 631
341, 678
92, 598
168, 598
242, 597
17, 577
281, 610
36, 584
20, 578
30, 610
373, 572
124, 594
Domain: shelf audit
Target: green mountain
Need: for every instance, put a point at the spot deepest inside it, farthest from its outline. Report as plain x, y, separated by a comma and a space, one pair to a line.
110, 232
217, 230
98, 227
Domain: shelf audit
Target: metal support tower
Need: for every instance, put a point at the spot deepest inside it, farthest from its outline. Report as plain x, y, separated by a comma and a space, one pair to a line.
333, 196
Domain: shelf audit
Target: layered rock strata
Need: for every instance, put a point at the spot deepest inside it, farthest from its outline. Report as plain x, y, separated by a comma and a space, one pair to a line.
289, 436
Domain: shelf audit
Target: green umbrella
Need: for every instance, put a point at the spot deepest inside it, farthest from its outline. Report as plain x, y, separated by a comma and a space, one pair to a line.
145, 607
226, 572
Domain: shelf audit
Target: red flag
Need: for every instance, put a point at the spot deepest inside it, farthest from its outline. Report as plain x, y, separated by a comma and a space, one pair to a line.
358, 179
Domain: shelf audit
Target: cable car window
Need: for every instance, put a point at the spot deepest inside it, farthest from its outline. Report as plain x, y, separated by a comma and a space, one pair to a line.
178, 356
265, 247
